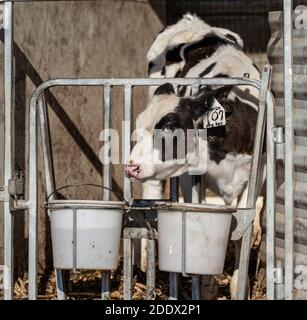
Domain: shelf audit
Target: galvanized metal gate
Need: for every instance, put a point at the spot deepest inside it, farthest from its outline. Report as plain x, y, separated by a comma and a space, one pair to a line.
38, 112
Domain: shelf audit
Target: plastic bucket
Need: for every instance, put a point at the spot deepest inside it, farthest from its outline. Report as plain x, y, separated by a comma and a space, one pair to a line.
193, 242
85, 234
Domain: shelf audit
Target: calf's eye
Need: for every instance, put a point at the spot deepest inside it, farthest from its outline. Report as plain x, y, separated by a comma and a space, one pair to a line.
169, 127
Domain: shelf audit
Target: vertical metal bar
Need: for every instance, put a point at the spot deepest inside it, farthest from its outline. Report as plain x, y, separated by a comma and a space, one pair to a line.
196, 198
259, 137
105, 285
49, 176
61, 295
253, 184
127, 269
289, 150
195, 287
46, 144
8, 149
270, 200
151, 270
74, 241
173, 277
126, 138
173, 286
106, 275
107, 125
33, 200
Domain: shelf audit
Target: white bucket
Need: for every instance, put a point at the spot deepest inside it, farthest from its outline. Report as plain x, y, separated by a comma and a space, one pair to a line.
85, 234
201, 249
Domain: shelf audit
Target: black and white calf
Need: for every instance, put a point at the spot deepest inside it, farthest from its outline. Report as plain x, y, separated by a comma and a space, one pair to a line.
211, 52
191, 48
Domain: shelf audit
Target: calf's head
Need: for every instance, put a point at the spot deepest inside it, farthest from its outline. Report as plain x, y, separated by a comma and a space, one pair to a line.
168, 140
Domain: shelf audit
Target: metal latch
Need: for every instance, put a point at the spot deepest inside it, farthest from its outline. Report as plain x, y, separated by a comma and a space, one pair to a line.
279, 141
16, 185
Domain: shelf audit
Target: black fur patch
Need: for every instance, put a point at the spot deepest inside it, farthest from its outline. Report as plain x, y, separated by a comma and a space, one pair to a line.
202, 50
232, 38
166, 88
151, 64
208, 69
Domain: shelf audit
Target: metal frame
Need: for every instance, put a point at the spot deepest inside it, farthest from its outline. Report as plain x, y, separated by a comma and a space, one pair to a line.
38, 107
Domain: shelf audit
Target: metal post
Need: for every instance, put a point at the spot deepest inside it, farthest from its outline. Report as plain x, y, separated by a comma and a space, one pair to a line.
126, 139
107, 125
270, 201
33, 200
289, 149
127, 269
43, 119
8, 150
60, 289
173, 277
49, 174
106, 275
253, 183
151, 270
196, 198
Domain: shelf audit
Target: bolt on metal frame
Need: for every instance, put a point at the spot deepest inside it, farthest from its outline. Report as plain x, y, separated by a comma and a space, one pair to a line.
271, 267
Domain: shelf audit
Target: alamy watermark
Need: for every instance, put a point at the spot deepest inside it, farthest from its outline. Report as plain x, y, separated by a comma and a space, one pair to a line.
300, 17
155, 147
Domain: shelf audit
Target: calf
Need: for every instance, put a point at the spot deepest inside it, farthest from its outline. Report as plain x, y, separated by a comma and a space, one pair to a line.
193, 49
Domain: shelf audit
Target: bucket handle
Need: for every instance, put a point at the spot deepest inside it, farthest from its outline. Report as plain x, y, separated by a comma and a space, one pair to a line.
78, 185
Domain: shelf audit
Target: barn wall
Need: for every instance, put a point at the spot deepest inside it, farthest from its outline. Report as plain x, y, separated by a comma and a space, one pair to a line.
96, 39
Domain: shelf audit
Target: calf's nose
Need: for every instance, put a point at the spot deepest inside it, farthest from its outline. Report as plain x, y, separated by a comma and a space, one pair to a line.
132, 170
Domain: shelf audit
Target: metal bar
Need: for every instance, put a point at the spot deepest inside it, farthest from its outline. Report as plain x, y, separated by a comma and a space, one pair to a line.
107, 125
61, 295
105, 279
127, 269
289, 150
196, 288
105, 285
173, 277
126, 138
196, 198
253, 184
259, 137
173, 286
151, 270
8, 149
74, 241
244, 263
33, 200
46, 143
145, 82
270, 200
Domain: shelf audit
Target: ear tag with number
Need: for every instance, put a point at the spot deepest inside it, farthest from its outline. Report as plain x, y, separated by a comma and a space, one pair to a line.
215, 117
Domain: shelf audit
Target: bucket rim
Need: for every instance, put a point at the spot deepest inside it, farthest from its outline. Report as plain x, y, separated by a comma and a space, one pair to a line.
192, 207
84, 204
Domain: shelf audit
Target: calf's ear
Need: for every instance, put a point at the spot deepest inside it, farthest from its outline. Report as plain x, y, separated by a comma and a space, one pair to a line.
166, 88
200, 104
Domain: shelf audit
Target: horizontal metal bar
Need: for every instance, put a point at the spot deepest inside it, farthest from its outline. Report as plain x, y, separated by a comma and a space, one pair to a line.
144, 82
